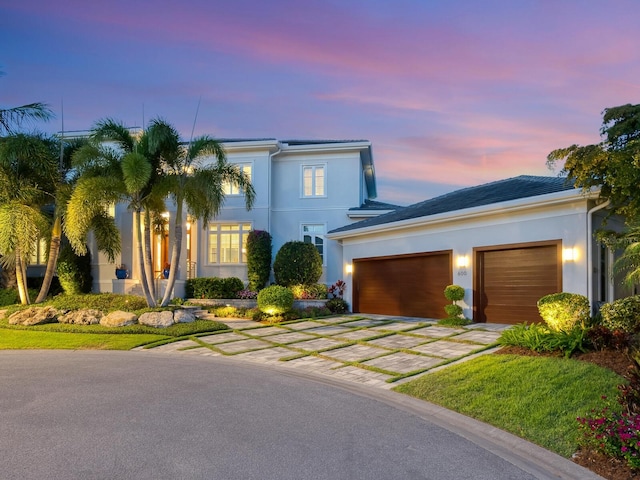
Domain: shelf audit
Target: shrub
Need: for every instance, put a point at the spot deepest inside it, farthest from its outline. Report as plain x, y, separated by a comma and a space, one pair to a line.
540, 338
454, 293
258, 259
601, 338
297, 263
247, 294
74, 271
337, 305
275, 300
564, 311
9, 296
453, 311
213, 287
309, 292
106, 302
622, 314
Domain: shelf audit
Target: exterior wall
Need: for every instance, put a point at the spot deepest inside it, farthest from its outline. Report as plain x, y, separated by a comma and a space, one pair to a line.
567, 223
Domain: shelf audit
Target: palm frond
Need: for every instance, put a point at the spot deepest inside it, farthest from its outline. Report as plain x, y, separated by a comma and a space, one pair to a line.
12, 119
111, 130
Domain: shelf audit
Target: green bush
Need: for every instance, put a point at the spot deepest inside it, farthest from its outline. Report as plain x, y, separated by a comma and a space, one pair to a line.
74, 271
297, 263
622, 314
213, 287
454, 293
453, 310
337, 305
275, 300
106, 302
316, 291
9, 296
258, 259
540, 338
564, 311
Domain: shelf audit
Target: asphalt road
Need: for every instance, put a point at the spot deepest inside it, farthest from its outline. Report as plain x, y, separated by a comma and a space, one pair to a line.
126, 415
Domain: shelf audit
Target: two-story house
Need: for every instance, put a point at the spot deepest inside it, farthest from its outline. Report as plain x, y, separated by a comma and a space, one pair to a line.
303, 190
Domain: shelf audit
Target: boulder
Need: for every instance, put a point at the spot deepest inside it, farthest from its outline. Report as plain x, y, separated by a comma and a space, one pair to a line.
82, 317
119, 319
183, 316
34, 316
157, 319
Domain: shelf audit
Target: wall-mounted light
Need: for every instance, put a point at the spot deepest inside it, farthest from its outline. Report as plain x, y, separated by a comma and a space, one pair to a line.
570, 254
462, 261
348, 268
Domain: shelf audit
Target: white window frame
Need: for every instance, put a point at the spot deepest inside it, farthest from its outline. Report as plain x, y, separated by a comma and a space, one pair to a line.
217, 232
314, 236
232, 189
39, 254
314, 168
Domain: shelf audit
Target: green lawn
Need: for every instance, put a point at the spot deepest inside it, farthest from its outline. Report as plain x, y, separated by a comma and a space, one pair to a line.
32, 339
536, 398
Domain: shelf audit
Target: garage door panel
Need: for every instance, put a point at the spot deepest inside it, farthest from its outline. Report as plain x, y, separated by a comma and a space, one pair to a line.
510, 281
407, 286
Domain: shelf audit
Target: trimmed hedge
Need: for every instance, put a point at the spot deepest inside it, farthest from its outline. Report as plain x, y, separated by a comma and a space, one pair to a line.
622, 314
316, 291
297, 263
258, 259
213, 287
275, 300
562, 312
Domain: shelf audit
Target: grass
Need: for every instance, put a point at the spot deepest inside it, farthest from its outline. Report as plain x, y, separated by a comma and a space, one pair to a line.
536, 398
21, 340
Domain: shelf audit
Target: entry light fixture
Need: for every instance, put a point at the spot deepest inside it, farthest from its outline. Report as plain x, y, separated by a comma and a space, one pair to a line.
462, 261
570, 254
348, 268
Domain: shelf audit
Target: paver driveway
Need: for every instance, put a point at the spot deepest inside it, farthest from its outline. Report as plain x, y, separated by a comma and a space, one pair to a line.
369, 349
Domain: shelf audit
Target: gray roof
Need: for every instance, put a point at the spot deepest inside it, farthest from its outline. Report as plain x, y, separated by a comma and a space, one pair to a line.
373, 205
495, 192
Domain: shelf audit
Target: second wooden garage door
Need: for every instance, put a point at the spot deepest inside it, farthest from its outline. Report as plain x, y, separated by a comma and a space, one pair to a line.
510, 281
406, 285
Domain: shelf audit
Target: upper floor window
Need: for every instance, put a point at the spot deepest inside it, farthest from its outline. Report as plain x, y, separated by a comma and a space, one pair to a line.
228, 242
313, 181
314, 234
39, 253
231, 188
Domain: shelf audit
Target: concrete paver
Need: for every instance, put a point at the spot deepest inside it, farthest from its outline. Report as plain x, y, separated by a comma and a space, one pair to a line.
263, 332
397, 341
479, 337
222, 338
289, 337
403, 362
446, 349
242, 346
356, 353
303, 325
436, 332
358, 334
318, 344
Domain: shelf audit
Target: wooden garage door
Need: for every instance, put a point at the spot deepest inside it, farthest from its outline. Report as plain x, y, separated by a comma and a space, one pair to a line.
407, 285
510, 281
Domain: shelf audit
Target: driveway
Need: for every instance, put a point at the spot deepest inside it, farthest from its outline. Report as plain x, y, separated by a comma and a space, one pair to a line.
128, 415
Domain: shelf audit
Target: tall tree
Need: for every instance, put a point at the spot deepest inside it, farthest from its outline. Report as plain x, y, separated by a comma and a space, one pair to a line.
192, 179
27, 163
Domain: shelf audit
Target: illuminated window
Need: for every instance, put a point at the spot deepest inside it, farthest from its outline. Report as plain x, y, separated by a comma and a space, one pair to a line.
313, 181
314, 234
231, 188
39, 254
227, 242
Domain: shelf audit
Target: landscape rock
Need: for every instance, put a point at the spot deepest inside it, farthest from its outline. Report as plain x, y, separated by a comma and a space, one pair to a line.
82, 317
157, 319
119, 319
34, 316
183, 316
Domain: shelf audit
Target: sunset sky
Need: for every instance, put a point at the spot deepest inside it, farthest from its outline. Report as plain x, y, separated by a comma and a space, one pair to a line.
451, 93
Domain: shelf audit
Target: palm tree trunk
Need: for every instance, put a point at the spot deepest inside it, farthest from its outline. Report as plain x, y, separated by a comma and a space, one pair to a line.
148, 262
52, 261
175, 254
151, 301
21, 278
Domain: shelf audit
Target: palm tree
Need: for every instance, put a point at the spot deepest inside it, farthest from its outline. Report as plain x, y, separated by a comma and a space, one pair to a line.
12, 118
115, 167
26, 166
188, 180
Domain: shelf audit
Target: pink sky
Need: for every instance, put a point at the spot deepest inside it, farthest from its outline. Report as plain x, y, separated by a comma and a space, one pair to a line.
451, 93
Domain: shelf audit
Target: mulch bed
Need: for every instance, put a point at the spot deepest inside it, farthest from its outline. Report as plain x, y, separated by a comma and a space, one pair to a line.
618, 361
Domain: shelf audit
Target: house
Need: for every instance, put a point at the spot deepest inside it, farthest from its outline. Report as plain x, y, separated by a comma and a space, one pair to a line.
508, 243
304, 188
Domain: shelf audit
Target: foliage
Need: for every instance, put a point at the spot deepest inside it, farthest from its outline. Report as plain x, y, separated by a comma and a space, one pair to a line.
13, 118
247, 294
601, 338
540, 338
258, 259
337, 289
629, 393
9, 296
610, 165
622, 314
337, 305
453, 311
213, 287
316, 291
105, 302
454, 293
564, 311
74, 271
275, 299
454, 321
297, 263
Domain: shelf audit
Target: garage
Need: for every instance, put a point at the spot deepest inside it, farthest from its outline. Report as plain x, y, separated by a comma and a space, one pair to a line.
404, 285
510, 280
